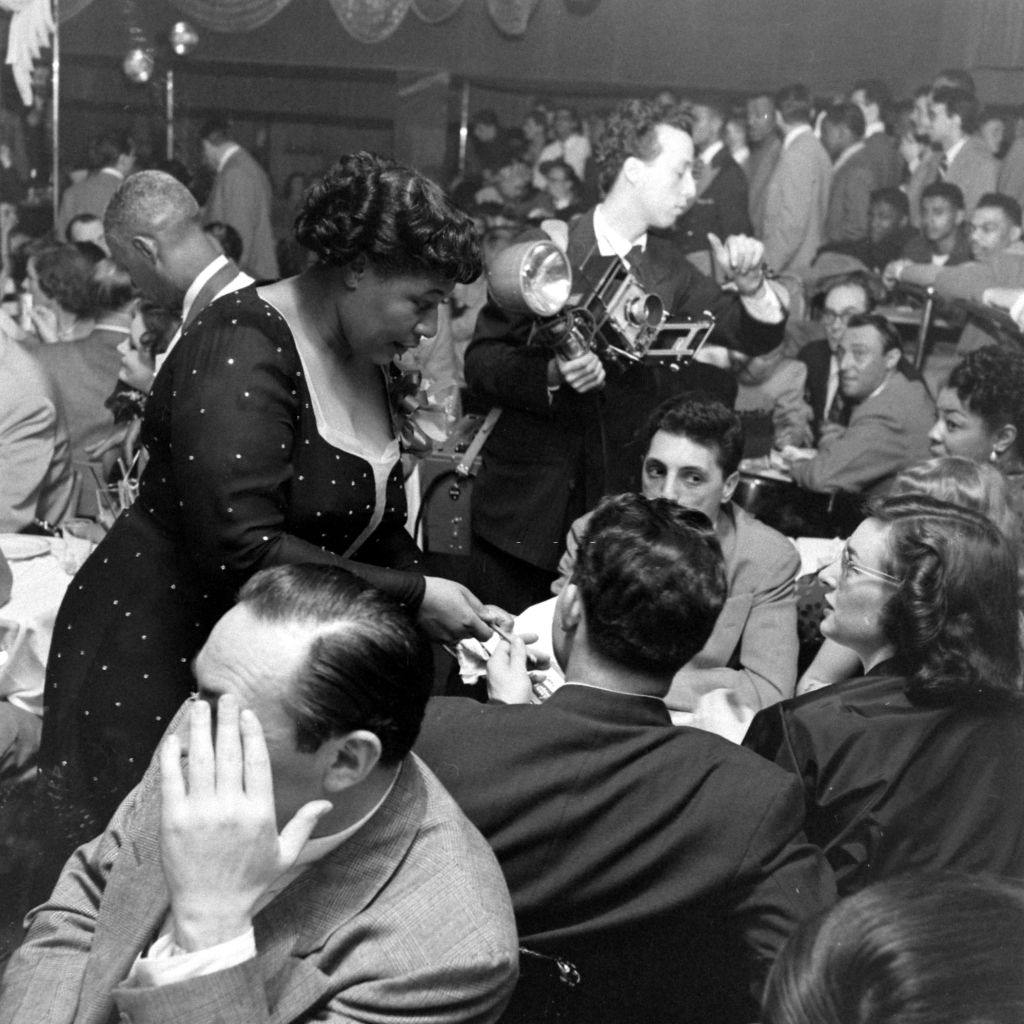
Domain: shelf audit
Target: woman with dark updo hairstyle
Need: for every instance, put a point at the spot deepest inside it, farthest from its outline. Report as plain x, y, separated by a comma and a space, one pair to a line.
273, 438
916, 764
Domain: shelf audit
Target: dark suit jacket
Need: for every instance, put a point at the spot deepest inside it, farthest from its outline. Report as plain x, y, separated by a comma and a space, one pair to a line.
883, 153
666, 865
816, 355
849, 198
406, 921
722, 207
550, 458
892, 786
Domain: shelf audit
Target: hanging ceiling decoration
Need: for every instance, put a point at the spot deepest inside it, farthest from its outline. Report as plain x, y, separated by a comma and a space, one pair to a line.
433, 12
511, 16
232, 15
369, 21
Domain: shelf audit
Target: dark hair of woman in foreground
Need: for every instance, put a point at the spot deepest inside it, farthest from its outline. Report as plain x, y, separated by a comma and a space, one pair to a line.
921, 949
953, 617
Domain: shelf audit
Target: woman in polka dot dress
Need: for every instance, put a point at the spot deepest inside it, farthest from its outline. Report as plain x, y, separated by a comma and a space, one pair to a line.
271, 440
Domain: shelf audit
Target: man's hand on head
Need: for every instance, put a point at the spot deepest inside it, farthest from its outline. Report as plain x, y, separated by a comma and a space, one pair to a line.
218, 830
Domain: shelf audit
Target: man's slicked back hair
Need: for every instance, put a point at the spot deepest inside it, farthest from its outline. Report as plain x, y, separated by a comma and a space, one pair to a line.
368, 665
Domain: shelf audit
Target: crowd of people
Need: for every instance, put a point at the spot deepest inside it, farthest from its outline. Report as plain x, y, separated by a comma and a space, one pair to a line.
254, 795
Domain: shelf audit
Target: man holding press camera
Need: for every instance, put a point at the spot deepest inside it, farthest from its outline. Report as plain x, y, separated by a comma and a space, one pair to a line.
565, 435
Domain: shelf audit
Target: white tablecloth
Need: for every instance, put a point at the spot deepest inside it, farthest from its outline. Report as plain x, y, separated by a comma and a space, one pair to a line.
26, 626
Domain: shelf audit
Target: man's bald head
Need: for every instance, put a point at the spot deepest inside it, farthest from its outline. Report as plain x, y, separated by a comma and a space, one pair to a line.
154, 230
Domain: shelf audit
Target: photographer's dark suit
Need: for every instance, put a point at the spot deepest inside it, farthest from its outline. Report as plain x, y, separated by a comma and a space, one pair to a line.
553, 455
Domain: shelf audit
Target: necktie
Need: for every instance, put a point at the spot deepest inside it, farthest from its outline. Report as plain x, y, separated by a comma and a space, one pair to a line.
838, 411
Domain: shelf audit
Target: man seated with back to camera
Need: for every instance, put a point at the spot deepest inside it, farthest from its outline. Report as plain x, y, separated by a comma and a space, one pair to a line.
692, 457
566, 433
377, 901
666, 866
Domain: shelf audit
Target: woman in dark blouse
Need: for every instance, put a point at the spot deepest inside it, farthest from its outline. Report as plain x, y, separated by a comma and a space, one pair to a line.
917, 764
271, 432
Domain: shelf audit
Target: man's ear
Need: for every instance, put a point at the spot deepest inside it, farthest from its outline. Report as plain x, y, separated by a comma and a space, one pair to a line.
570, 608
730, 486
892, 358
146, 248
1015, 233
632, 169
352, 757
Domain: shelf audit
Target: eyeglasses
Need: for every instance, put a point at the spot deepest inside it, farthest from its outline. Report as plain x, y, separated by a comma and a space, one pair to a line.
847, 565
831, 316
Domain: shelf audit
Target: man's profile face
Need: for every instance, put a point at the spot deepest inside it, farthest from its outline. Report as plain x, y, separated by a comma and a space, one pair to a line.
943, 129
256, 662
210, 156
939, 218
921, 117
869, 110
863, 362
760, 118
991, 232
665, 185
687, 473
142, 272
89, 231
842, 302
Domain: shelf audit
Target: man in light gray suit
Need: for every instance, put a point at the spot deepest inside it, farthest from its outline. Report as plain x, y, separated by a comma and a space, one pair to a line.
301, 864
796, 201
965, 161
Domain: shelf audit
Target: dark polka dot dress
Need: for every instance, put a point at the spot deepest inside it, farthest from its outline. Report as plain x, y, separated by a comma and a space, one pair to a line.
241, 477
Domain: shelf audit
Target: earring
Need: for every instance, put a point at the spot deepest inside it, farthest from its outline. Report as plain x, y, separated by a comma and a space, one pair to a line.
993, 456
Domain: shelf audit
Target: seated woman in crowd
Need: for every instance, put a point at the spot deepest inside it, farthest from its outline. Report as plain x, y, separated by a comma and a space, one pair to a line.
272, 432
58, 280
980, 411
978, 486
923, 949
916, 764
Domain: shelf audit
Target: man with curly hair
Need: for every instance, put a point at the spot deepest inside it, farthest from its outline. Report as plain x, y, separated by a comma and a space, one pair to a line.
566, 434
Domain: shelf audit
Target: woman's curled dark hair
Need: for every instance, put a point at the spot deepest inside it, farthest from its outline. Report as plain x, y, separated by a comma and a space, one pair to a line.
953, 617
394, 217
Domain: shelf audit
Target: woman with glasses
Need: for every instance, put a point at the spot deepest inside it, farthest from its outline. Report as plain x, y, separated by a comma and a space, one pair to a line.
916, 763
978, 486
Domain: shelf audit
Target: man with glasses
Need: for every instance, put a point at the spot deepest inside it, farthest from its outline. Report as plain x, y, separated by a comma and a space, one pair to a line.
849, 296
888, 416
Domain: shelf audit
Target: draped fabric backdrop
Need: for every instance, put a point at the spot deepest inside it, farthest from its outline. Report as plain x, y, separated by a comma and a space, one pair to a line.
369, 21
